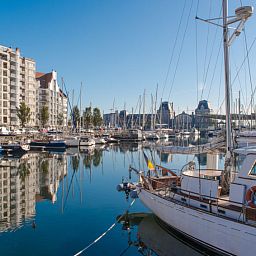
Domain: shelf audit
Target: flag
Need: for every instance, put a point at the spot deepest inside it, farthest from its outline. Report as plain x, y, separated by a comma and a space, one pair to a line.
150, 165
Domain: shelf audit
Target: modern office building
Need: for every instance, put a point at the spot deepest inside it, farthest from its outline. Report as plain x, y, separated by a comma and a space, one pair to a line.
17, 84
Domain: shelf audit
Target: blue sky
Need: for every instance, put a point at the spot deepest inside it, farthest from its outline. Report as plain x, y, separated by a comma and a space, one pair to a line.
118, 48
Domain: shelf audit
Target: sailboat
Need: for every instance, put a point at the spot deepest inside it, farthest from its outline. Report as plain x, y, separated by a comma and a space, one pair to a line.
213, 208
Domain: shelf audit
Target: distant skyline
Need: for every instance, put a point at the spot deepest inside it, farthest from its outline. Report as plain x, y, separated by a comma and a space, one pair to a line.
117, 49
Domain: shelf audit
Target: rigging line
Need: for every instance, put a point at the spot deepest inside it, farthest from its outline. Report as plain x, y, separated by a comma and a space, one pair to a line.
240, 84
103, 234
243, 61
131, 117
125, 250
68, 189
197, 54
182, 43
174, 47
208, 66
214, 69
249, 69
206, 50
220, 84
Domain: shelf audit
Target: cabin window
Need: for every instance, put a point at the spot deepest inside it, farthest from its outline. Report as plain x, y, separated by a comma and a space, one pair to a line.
221, 211
253, 170
203, 206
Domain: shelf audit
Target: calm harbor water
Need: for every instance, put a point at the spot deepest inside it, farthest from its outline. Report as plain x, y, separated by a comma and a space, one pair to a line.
57, 204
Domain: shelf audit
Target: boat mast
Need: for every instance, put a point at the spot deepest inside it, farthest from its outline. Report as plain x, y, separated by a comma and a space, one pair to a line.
241, 15
227, 80
144, 105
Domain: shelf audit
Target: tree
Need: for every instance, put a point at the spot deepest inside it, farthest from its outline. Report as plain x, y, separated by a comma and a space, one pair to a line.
75, 116
75, 162
23, 171
60, 119
97, 118
45, 166
44, 115
23, 113
88, 117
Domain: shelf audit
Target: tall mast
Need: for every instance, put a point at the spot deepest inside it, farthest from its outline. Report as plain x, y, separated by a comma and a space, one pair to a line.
152, 116
241, 15
154, 124
143, 117
227, 80
80, 109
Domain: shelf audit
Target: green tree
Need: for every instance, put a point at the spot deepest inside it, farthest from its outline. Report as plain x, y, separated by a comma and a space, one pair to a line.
87, 161
75, 116
23, 171
88, 117
44, 115
45, 166
97, 157
97, 118
75, 162
23, 113
60, 119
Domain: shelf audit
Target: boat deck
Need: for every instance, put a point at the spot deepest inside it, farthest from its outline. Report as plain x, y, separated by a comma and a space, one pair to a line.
221, 203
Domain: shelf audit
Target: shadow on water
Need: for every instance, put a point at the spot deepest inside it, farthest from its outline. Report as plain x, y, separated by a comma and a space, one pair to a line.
154, 237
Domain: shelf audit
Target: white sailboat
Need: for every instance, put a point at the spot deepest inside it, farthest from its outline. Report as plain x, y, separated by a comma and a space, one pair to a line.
215, 209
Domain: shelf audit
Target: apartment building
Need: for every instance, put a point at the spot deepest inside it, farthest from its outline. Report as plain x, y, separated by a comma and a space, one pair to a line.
17, 84
17, 193
53, 97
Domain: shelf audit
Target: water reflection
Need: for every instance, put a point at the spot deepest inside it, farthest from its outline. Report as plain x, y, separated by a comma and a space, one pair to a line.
33, 178
25, 181
72, 201
155, 238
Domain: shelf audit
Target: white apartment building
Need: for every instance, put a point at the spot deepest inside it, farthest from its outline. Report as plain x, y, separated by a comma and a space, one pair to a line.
17, 193
17, 84
53, 97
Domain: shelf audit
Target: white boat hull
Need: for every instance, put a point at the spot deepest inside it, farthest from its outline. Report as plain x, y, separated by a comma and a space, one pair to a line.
72, 143
217, 233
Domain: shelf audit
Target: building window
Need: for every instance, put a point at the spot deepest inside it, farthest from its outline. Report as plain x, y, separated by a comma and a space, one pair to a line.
4, 111
253, 170
5, 96
5, 88
5, 119
5, 104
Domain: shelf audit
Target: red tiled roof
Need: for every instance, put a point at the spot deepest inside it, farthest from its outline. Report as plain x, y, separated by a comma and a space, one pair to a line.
44, 79
39, 74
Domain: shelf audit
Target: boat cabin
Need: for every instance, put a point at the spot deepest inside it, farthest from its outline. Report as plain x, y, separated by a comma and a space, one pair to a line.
205, 182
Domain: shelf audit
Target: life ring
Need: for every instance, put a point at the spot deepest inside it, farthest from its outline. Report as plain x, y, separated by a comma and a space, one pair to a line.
249, 197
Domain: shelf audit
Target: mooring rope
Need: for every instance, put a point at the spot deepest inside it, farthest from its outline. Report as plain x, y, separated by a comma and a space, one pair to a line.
102, 235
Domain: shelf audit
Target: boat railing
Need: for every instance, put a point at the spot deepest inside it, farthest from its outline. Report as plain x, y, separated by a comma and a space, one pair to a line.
169, 190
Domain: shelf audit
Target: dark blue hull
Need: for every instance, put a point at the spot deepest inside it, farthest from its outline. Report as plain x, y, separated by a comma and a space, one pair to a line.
12, 150
48, 145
